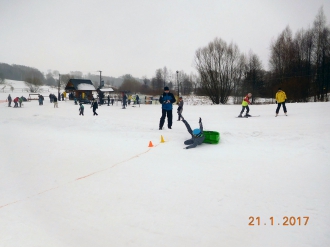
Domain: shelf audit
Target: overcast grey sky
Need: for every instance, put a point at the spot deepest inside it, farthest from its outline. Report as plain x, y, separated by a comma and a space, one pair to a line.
139, 36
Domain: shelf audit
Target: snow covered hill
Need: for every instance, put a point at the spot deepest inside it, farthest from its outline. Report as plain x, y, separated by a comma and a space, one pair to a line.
68, 180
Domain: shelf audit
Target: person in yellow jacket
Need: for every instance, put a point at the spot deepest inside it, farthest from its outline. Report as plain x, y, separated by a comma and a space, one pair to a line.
280, 98
245, 105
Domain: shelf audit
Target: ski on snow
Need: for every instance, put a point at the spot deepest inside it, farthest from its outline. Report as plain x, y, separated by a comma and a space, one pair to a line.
248, 117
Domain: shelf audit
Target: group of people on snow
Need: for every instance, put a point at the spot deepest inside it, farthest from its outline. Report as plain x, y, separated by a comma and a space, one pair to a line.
167, 100
127, 99
17, 100
280, 98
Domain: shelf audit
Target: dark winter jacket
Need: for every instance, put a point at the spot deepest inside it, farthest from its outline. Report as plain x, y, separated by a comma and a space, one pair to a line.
180, 106
95, 105
167, 99
195, 140
124, 99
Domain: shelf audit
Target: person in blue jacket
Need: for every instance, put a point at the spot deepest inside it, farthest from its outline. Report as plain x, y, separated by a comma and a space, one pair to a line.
167, 99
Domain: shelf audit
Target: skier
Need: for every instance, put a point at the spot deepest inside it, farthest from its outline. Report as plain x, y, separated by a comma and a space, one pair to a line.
81, 109
167, 99
197, 135
95, 106
245, 105
9, 100
180, 108
108, 99
280, 100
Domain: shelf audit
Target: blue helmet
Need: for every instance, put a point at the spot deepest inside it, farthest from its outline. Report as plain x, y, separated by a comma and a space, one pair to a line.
197, 132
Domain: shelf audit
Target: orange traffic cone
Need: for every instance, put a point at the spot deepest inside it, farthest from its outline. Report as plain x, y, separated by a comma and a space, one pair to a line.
150, 144
162, 139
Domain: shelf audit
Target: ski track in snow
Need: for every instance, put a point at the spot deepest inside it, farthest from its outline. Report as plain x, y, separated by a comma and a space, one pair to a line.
80, 178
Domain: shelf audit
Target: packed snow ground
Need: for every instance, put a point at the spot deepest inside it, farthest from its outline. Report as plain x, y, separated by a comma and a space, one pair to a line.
68, 180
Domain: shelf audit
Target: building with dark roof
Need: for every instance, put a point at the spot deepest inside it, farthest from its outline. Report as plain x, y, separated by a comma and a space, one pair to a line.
80, 89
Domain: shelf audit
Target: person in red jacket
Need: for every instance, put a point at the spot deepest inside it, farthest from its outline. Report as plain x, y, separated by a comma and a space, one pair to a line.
245, 105
16, 102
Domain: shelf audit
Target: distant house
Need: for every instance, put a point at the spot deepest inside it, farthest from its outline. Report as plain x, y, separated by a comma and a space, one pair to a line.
80, 89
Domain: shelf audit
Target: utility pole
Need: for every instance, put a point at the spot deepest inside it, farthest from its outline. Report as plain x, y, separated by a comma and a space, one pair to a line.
100, 77
59, 83
177, 79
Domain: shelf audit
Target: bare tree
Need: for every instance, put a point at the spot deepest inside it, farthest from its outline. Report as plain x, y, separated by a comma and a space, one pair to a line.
50, 81
2, 79
220, 66
321, 55
33, 83
253, 81
130, 85
195, 79
65, 79
165, 75
157, 82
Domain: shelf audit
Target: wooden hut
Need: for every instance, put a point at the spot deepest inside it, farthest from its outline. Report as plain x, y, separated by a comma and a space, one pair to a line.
80, 89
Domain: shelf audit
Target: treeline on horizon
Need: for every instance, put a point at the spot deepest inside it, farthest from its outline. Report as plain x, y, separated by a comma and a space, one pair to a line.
299, 64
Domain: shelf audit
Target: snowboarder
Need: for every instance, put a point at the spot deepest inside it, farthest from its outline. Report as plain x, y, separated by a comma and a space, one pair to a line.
280, 100
167, 99
9, 100
81, 109
245, 105
95, 106
180, 108
197, 135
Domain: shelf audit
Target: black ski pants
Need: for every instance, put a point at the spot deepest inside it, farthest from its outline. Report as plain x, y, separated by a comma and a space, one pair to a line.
243, 109
169, 118
279, 106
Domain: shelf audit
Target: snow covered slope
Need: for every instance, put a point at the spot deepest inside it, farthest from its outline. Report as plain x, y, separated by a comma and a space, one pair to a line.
68, 180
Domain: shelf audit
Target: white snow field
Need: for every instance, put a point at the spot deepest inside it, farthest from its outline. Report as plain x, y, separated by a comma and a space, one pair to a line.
68, 180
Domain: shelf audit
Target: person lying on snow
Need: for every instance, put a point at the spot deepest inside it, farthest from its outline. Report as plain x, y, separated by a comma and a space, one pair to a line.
197, 136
